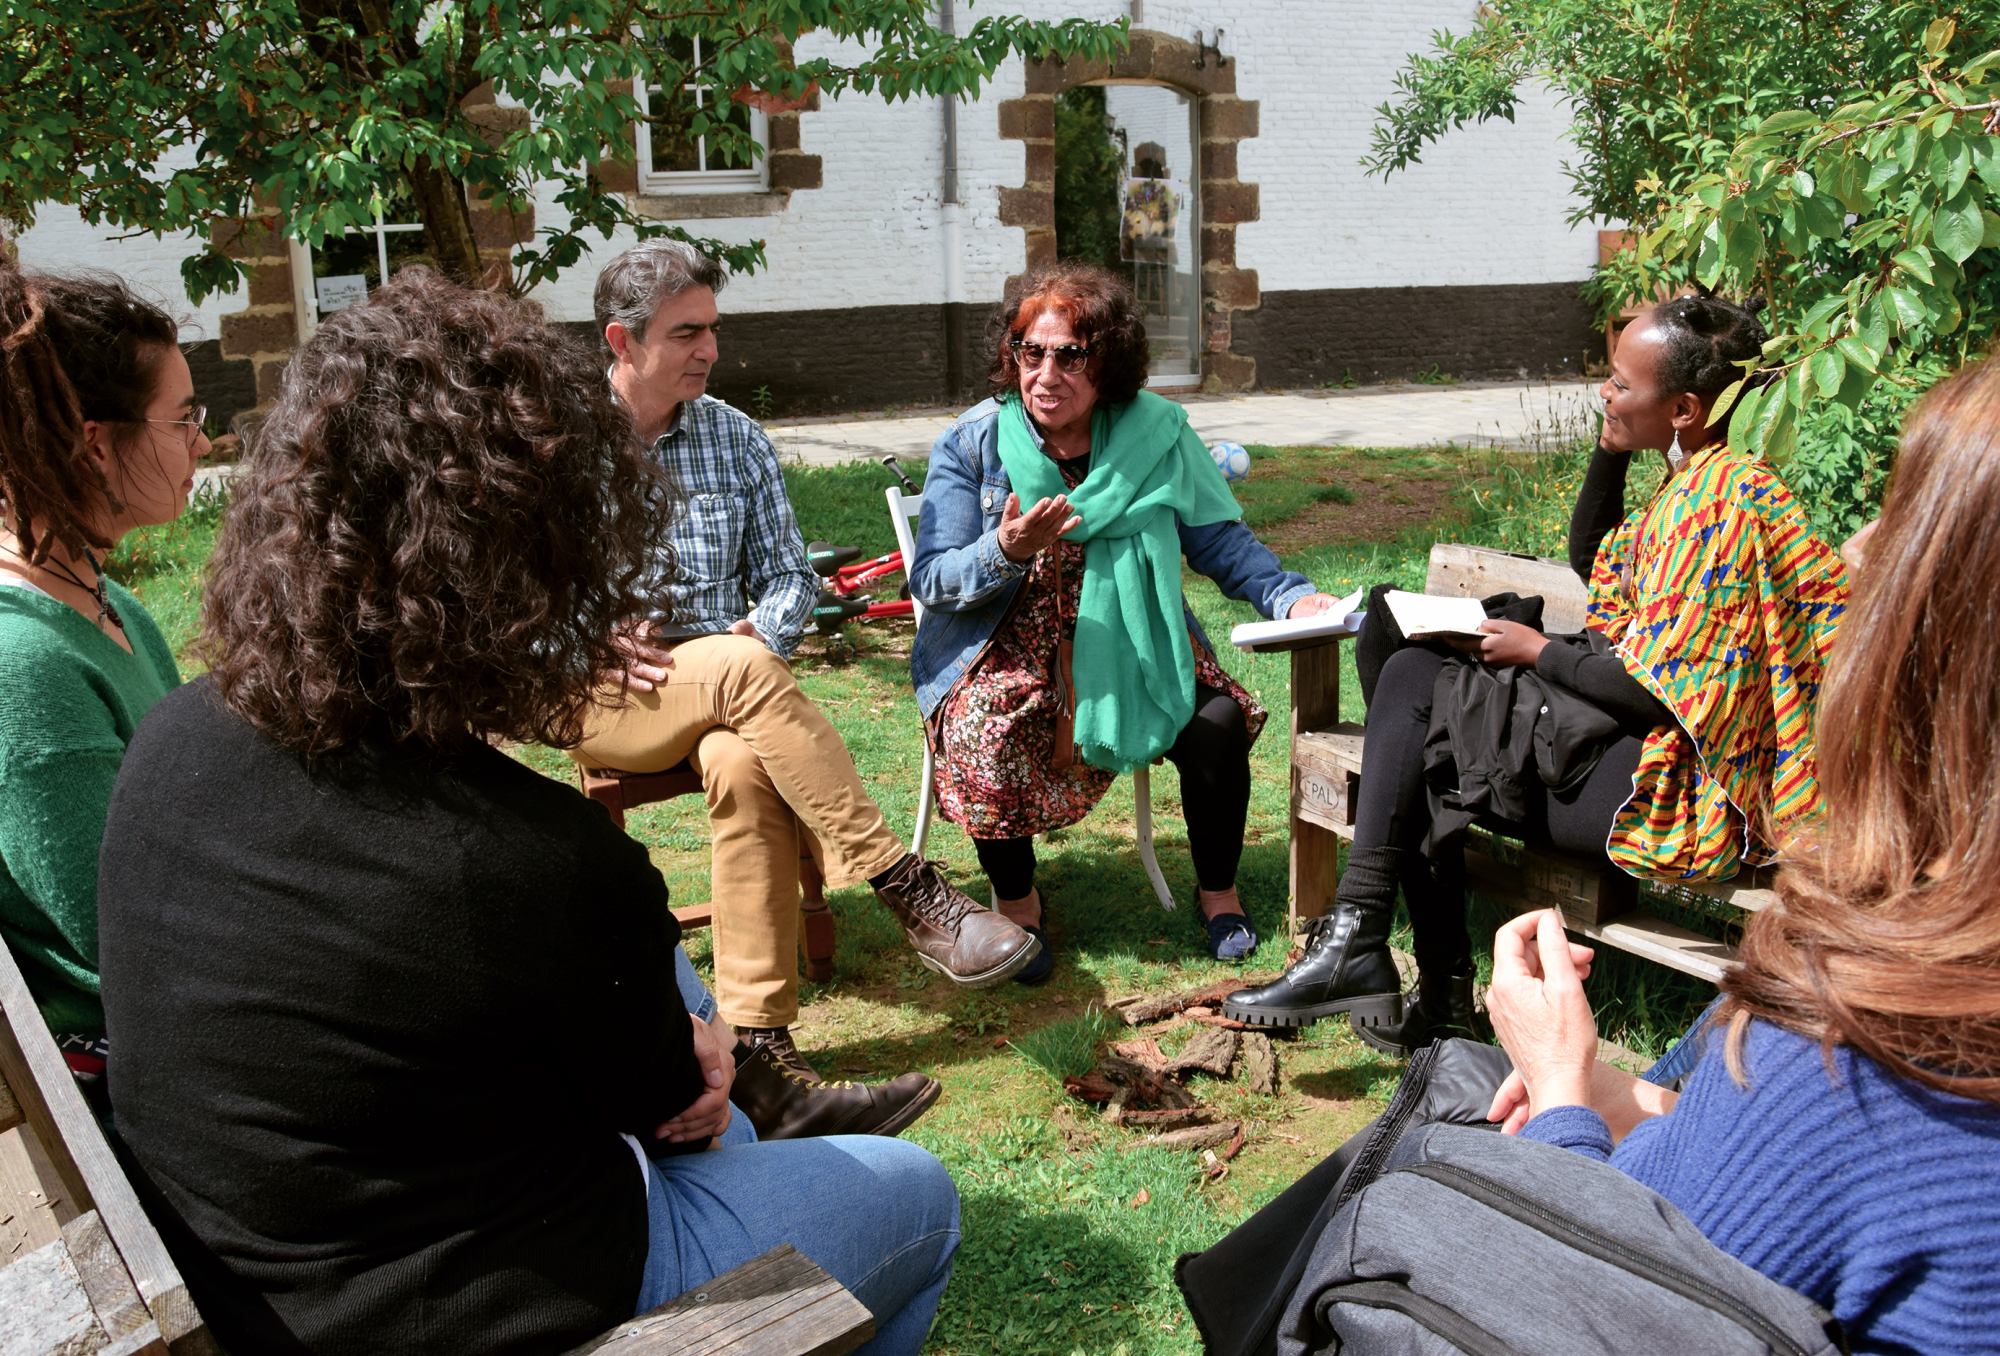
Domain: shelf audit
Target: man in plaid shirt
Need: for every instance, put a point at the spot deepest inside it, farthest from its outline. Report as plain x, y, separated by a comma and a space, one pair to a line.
708, 684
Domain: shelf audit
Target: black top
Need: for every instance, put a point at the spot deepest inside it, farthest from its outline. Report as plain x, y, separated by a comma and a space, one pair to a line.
1597, 673
375, 1030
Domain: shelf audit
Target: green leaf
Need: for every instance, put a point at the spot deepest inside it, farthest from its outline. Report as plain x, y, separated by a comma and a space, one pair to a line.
1985, 152
1854, 386
1938, 36
1828, 367
1875, 324
1912, 262
1858, 354
1803, 185
1903, 304
1977, 66
1743, 423
1991, 238
1822, 216
1959, 228
1787, 120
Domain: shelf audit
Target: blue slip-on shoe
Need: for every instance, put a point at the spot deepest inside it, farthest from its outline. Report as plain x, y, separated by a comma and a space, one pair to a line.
1038, 970
1230, 937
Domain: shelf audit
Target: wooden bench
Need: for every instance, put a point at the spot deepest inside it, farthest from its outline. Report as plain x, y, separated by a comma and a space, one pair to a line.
1602, 904
621, 791
83, 1272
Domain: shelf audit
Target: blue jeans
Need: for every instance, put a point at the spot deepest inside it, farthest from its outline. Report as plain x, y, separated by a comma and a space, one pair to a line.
878, 1215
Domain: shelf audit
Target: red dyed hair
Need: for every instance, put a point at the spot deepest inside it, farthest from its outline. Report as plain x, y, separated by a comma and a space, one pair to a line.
1099, 307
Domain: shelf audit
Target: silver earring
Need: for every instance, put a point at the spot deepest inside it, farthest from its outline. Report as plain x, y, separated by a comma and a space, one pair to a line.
1674, 454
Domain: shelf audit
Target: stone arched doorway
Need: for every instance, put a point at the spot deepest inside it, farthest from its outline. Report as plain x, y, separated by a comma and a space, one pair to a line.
1226, 202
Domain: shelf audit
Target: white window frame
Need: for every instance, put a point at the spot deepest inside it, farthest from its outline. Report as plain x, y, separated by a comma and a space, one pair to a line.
381, 230
755, 179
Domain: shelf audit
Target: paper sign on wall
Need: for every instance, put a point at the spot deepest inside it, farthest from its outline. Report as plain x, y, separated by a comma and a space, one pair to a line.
339, 293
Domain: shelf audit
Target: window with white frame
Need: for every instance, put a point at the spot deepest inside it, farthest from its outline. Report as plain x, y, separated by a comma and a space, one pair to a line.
347, 267
699, 164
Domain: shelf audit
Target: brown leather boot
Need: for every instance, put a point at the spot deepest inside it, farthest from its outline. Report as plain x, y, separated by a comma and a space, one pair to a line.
783, 1105
972, 946
779, 1039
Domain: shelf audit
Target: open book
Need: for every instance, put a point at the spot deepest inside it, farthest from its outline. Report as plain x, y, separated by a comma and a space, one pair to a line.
1339, 620
1423, 617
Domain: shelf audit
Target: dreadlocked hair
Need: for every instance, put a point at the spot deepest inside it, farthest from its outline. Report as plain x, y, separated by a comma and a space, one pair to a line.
1708, 339
75, 349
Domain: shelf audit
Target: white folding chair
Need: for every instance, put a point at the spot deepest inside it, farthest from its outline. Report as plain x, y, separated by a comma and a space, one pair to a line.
903, 511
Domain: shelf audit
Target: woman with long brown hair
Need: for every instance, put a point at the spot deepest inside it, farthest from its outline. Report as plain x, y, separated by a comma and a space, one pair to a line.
99, 434
1843, 1134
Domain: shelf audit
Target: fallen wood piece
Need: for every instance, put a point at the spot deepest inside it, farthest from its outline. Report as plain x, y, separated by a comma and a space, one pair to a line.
1260, 1063
777, 1302
1198, 1137
1114, 1110
1175, 1119
1146, 1054
1090, 1087
1225, 1023
1209, 995
1210, 1052
1235, 1145
1145, 1085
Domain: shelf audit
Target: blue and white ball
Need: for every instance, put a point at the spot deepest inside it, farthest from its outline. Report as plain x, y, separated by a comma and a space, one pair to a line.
1232, 459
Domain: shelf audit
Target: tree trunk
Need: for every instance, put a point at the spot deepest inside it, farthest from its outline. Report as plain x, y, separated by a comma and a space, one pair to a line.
447, 223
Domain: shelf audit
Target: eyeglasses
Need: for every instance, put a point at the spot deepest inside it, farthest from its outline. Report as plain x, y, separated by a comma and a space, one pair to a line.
196, 418
1069, 357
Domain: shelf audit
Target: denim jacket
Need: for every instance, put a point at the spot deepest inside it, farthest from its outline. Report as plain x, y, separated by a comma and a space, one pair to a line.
966, 585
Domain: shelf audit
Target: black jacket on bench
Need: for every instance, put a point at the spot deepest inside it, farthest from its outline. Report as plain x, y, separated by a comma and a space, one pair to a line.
375, 1030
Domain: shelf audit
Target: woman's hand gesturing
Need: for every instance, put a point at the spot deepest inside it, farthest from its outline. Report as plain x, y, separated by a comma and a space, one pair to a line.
1025, 535
1540, 1014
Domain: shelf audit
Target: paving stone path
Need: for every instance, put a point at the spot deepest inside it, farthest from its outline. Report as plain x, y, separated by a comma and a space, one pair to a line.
1509, 414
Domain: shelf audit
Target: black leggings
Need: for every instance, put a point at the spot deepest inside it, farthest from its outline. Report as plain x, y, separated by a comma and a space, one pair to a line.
1394, 811
1213, 756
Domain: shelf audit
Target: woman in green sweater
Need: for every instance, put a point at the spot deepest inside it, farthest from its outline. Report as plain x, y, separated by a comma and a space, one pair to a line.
99, 434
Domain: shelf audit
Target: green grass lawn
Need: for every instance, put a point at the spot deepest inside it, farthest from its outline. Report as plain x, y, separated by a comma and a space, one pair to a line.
1070, 1230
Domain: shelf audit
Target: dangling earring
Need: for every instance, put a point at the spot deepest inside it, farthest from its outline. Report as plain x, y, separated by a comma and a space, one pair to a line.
1674, 454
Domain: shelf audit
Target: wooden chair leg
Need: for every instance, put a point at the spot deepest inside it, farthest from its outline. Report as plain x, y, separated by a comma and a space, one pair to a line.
816, 920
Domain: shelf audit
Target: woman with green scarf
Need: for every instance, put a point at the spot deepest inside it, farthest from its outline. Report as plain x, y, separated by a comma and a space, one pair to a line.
1055, 519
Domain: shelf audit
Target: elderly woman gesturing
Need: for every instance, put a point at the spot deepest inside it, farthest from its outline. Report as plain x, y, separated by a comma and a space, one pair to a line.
1059, 651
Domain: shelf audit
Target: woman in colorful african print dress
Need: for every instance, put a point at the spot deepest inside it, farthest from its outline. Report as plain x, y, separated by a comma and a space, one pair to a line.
1711, 610
1060, 510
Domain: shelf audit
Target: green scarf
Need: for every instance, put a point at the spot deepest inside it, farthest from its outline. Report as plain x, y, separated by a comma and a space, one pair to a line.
1149, 472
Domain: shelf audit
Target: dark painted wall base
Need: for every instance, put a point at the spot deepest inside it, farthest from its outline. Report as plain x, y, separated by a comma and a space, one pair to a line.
863, 358
1307, 338
868, 358
228, 386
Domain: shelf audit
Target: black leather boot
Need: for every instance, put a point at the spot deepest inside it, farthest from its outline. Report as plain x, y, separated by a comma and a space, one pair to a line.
1439, 1008
1346, 965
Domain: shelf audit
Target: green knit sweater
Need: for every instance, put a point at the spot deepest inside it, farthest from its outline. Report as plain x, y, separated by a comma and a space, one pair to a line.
70, 698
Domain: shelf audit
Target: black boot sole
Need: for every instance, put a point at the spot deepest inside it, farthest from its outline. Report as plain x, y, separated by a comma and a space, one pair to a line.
1374, 1041
1370, 1009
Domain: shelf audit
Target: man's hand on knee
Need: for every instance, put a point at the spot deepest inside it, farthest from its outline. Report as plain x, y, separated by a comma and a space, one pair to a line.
742, 627
646, 660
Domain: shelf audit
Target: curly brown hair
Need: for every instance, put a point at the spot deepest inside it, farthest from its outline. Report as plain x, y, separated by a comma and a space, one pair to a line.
442, 524
1099, 306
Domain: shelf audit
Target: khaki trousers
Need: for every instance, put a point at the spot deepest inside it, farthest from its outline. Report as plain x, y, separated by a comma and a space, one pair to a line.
776, 776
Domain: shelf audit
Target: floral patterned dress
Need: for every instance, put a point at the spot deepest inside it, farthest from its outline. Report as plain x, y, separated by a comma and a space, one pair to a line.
996, 728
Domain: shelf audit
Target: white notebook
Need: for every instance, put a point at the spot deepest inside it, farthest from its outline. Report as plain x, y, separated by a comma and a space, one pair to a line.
1339, 620
1423, 617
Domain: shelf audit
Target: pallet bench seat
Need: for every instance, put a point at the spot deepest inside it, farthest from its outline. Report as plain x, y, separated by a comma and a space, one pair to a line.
83, 1272
1605, 904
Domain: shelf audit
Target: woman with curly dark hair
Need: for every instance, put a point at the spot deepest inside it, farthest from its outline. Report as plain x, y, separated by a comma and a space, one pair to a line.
344, 933
1056, 650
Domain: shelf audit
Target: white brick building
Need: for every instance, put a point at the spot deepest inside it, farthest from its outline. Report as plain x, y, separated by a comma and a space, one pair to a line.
878, 288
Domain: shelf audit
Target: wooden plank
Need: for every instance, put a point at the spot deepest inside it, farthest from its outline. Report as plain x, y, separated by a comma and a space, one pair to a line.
29, 1194
43, 1308
1315, 849
776, 1304
102, 1271
10, 1110
1330, 752
1639, 933
63, 1123
1306, 814
695, 916
1333, 799
1480, 572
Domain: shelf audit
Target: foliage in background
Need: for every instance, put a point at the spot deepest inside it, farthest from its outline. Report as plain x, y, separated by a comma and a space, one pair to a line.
1846, 172
170, 115
1090, 172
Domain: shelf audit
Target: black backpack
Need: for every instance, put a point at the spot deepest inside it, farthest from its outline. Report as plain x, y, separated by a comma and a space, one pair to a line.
1432, 1237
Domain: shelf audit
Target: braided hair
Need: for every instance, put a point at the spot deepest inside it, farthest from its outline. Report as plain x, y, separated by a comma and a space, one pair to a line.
1706, 341
71, 349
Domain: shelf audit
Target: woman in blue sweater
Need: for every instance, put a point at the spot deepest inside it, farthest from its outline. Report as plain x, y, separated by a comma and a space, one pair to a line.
1842, 1133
